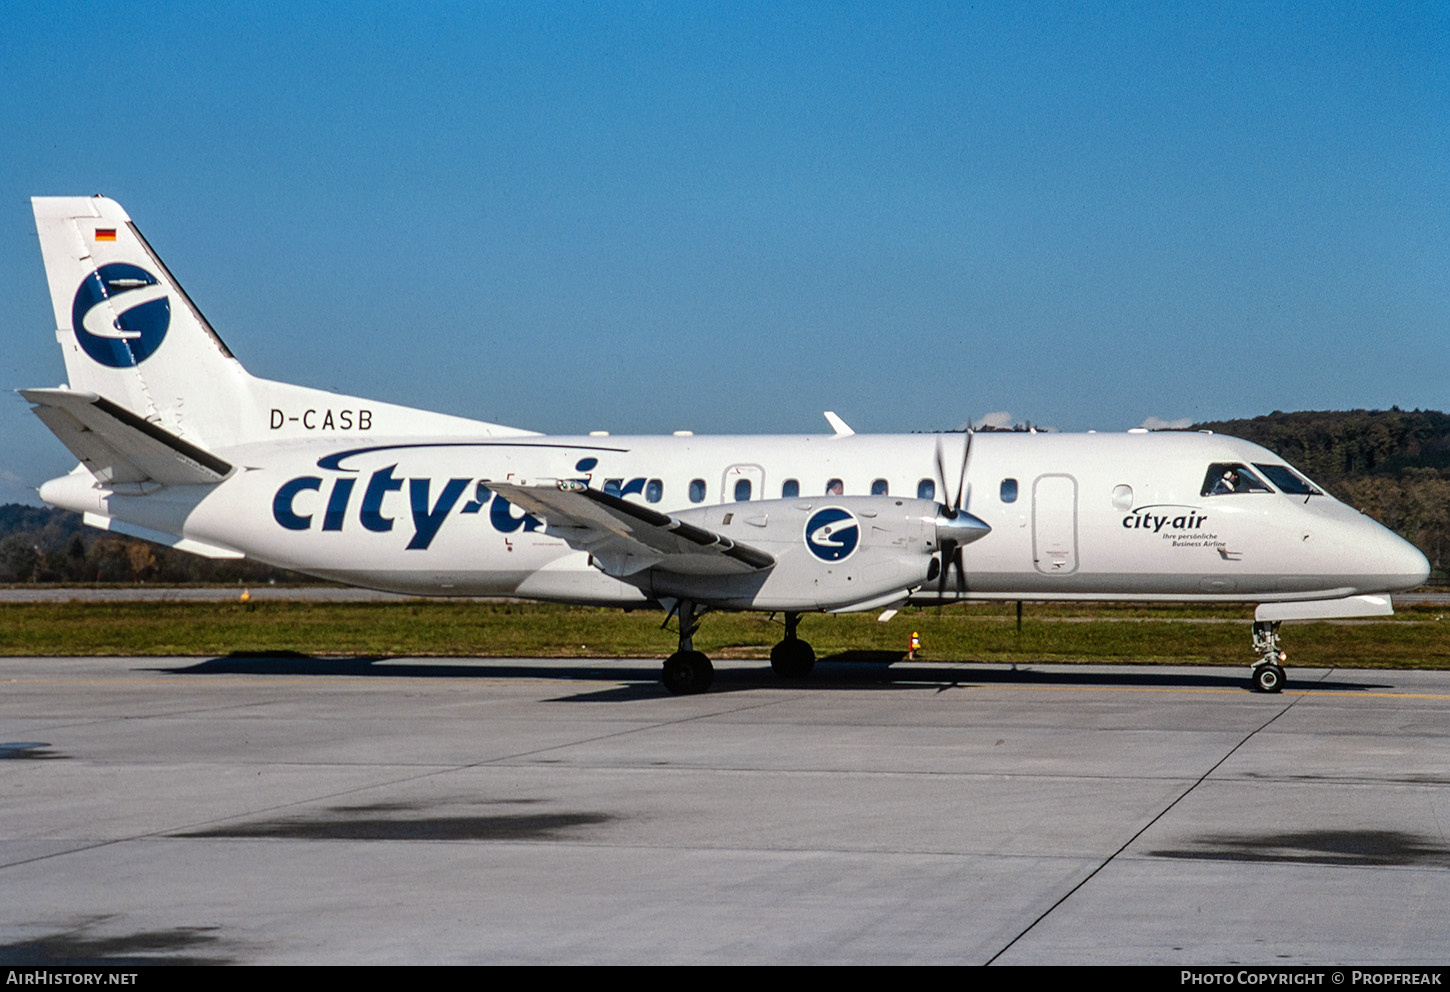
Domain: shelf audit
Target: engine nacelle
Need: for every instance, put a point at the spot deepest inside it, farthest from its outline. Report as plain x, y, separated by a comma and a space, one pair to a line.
831, 553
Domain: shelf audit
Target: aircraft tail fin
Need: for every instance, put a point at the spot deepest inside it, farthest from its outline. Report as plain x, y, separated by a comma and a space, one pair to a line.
127, 329
130, 334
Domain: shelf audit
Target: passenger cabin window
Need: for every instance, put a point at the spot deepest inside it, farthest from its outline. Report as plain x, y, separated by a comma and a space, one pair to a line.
697, 490
654, 490
790, 489
742, 491
880, 488
620, 488
1289, 481
1223, 478
1009, 490
926, 489
835, 488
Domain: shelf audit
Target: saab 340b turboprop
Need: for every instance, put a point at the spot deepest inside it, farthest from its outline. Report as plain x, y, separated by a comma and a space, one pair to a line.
179, 444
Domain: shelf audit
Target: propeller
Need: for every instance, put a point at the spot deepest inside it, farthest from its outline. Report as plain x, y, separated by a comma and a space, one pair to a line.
955, 528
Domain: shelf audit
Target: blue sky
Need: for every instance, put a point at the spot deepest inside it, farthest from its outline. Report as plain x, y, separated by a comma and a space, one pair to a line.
643, 217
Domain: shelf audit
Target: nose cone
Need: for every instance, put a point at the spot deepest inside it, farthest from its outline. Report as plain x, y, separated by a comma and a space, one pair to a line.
1407, 567
1351, 550
1386, 561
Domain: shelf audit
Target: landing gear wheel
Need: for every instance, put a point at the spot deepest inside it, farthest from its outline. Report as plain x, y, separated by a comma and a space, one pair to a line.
1268, 678
688, 672
792, 658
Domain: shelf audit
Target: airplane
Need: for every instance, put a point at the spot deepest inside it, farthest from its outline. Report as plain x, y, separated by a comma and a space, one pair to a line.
178, 444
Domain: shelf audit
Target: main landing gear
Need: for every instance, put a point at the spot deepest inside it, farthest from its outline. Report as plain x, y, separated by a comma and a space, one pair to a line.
792, 658
1266, 673
687, 670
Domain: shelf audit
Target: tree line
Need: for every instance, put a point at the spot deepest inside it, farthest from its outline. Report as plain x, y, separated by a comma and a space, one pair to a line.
50, 545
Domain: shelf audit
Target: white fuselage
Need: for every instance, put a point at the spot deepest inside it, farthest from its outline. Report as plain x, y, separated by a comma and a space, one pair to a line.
1072, 516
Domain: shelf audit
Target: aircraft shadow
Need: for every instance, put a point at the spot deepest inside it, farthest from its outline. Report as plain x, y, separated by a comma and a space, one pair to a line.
854, 665
848, 670
290, 663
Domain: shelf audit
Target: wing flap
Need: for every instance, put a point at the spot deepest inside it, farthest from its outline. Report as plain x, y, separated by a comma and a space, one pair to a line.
118, 447
625, 538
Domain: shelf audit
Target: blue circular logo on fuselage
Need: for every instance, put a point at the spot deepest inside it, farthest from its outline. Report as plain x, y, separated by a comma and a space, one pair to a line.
120, 315
832, 534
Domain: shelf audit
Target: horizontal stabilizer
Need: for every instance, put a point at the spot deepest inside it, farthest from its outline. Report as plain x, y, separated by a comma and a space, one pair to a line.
625, 538
119, 447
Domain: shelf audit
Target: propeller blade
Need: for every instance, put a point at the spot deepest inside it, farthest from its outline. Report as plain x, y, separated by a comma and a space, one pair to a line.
964, 530
962, 479
941, 471
957, 505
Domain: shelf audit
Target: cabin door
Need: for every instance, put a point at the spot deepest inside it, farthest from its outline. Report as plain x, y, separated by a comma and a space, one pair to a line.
1054, 524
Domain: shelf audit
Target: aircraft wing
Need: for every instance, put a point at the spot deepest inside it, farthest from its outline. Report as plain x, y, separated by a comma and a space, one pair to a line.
119, 447
624, 538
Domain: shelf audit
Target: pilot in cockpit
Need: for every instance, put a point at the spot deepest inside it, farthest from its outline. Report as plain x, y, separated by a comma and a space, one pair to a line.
1227, 483
1223, 478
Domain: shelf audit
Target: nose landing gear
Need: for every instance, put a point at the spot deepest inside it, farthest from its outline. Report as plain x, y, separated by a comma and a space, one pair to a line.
1266, 673
792, 658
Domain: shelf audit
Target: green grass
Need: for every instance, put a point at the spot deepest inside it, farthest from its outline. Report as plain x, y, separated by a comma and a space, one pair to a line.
1416, 637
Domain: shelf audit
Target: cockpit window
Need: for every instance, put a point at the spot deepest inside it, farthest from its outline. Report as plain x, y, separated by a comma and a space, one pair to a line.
1229, 477
1289, 481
